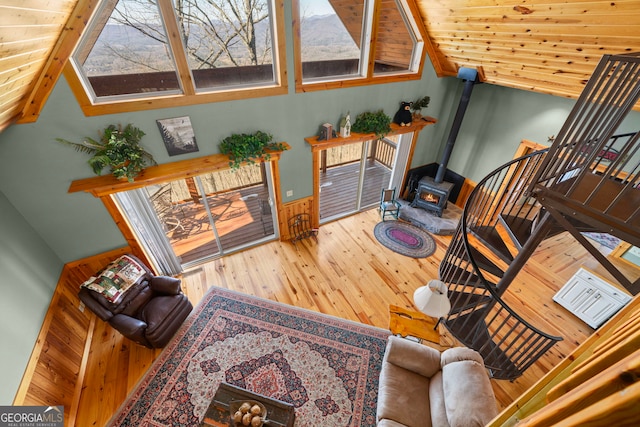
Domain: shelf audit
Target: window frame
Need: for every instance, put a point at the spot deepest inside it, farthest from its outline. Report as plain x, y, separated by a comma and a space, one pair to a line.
189, 95
409, 12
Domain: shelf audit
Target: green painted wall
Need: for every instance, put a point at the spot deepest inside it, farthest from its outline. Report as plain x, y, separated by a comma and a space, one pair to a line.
498, 118
77, 225
29, 271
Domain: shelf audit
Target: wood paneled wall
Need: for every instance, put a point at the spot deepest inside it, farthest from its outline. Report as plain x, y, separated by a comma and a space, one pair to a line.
58, 361
548, 46
289, 210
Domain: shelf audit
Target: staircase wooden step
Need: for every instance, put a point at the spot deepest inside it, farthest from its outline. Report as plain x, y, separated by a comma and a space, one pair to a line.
490, 237
485, 263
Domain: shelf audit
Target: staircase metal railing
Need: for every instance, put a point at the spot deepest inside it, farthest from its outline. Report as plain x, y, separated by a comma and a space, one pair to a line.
590, 174
477, 258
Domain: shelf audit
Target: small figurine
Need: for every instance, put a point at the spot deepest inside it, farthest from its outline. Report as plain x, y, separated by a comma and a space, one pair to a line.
403, 115
345, 126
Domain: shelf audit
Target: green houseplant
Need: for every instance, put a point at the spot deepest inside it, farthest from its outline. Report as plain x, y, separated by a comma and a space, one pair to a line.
118, 148
248, 147
419, 104
372, 122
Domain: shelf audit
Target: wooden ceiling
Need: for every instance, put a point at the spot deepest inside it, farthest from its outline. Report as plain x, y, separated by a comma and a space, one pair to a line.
547, 46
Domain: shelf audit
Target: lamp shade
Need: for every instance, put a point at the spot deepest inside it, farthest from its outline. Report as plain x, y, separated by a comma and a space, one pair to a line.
432, 299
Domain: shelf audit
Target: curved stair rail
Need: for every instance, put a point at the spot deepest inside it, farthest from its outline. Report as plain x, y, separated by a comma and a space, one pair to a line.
497, 223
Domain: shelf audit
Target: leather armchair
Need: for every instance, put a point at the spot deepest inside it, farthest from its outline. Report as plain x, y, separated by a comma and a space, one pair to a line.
421, 387
149, 312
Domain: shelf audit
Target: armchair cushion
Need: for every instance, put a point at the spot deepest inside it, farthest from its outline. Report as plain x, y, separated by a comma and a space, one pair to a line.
420, 359
403, 396
165, 285
465, 366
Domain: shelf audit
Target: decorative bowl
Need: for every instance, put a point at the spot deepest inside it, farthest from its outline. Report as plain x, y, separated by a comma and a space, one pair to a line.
249, 415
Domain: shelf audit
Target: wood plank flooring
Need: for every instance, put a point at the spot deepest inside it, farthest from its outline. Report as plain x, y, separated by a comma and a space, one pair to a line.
346, 274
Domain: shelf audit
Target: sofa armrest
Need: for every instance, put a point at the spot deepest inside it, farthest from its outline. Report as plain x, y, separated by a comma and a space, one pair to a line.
468, 395
165, 285
412, 356
130, 327
87, 297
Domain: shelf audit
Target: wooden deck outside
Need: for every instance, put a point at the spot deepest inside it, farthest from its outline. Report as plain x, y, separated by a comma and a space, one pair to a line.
339, 188
241, 217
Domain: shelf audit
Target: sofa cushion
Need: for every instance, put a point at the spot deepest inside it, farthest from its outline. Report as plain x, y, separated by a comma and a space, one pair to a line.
463, 371
403, 397
389, 423
418, 358
436, 401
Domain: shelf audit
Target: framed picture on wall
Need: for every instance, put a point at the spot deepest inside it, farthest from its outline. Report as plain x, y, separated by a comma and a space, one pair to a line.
178, 135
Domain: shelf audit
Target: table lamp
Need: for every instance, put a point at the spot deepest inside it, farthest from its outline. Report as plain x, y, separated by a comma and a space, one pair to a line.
432, 299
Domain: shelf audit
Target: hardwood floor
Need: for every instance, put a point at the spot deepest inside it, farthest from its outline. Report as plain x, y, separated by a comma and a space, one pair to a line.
346, 274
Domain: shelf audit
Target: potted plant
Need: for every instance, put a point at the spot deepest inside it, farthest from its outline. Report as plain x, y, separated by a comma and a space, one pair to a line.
418, 105
249, 147
372, 122
118, 148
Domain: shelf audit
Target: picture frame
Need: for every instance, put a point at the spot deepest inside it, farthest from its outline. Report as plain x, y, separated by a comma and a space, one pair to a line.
178, 135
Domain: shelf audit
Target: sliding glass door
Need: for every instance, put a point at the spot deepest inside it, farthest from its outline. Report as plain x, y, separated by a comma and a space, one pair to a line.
209, 215
353, 176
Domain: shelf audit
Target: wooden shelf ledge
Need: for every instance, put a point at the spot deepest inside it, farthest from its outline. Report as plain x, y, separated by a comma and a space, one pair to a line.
108, 184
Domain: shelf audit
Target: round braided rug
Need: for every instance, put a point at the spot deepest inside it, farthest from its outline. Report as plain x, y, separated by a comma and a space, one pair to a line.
404, 239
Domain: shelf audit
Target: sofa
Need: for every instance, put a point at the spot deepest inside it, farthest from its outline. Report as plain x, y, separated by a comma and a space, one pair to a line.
421, 387
145, 308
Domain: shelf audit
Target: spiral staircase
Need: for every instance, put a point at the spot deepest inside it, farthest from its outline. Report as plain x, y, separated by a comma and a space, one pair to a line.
588, 180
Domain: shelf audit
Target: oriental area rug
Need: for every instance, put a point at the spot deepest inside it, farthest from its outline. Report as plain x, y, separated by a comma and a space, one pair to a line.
404, 239
327, 367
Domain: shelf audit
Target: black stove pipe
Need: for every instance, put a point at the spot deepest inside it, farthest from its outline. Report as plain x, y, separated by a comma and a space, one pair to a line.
470, 77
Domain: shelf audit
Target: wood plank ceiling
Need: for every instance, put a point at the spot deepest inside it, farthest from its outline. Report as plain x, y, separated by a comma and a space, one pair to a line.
547, 46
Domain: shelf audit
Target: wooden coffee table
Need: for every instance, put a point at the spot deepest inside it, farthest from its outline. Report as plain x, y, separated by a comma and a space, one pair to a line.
279, 414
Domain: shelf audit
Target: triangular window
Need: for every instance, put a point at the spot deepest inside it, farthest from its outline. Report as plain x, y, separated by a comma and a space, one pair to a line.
355, 40
135, 49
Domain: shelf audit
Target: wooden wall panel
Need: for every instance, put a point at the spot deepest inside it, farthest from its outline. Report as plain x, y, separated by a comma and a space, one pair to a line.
394, 44
58, 361
548, 46
289, 210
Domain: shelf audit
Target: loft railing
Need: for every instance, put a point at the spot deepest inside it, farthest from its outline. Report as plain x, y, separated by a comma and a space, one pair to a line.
589, 174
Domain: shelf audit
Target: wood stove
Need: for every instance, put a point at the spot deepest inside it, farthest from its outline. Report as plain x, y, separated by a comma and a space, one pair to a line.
431, 195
